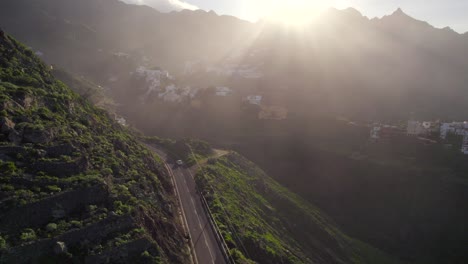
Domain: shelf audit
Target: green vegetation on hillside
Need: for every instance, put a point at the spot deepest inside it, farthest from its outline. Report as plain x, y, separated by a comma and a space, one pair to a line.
85, 88
187, 150
74, 184
264, 222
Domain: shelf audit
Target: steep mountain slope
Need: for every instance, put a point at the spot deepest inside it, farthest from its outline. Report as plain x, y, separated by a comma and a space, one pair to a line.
262, 221
400, 64
402, 195
92, 29
75, 186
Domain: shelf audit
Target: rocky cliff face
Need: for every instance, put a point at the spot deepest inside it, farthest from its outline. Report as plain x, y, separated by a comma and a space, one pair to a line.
74, 185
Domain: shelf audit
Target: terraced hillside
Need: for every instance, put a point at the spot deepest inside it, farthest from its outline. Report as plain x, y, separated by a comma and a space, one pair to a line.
262, 221
75, 186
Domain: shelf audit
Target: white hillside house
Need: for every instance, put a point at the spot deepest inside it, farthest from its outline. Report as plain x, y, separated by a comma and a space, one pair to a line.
170, 94
154, 79
255, 99
465, 144
421, 128
223, 91
456, 128
375, 132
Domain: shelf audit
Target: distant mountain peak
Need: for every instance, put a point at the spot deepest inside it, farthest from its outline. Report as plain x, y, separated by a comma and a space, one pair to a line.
348, 14
399, 12
400, 19
449, 29
353, 11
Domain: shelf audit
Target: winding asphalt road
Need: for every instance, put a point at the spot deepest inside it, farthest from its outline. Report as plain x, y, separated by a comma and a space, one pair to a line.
203, 238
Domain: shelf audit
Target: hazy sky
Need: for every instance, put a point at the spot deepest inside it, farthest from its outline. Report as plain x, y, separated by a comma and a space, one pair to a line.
440, 13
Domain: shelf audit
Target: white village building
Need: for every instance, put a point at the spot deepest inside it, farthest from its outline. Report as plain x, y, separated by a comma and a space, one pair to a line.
154, 79
375, 132
465, 144
223, 91
419, 128
456, 128
255, 99
189, 91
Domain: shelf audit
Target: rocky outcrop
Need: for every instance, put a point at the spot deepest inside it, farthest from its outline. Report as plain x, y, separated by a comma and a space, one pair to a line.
6, 125
61, 150
126, 251
92, 234
42, 212
68, 174
15, 137
61, 169
37, 136
12, 150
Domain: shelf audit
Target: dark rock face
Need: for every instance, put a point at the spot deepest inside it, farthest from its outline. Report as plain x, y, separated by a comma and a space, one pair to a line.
41, 212
12, 150
30, 253
129, 249
37, 136
61, 150
15, 137
62, 169
6, 125
59, 171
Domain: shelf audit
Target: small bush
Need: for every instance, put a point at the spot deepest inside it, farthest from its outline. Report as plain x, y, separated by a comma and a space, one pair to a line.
3, 243
28, 235
51, 227
54, 188
8, 167
146, 254
7, 188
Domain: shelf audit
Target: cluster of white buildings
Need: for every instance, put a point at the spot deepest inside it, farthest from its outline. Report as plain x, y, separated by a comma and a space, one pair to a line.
379, 131
418, 128
455, 128
154, 78
162, 83
223, 91
254, 99
422, 128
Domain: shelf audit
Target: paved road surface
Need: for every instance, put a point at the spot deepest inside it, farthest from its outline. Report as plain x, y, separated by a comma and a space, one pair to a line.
207, 250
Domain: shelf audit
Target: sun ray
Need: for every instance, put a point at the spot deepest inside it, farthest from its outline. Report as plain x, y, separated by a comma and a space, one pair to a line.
291, 12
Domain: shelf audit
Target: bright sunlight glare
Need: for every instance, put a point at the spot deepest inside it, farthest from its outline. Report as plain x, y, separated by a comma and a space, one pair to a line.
294, 12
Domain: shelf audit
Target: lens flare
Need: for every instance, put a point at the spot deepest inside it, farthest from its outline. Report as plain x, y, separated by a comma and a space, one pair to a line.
293, 12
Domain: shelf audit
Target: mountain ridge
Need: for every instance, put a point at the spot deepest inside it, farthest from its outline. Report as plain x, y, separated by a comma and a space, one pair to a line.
75, 185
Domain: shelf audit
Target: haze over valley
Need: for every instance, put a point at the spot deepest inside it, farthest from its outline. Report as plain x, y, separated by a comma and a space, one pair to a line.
176, 135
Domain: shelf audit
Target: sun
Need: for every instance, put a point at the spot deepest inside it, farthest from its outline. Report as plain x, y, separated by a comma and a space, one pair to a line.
294, 12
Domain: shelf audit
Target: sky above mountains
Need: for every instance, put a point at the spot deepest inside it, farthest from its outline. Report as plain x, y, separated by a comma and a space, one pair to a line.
440, 13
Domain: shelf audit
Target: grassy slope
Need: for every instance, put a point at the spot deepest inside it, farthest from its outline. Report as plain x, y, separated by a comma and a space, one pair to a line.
266, 223
58, 146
